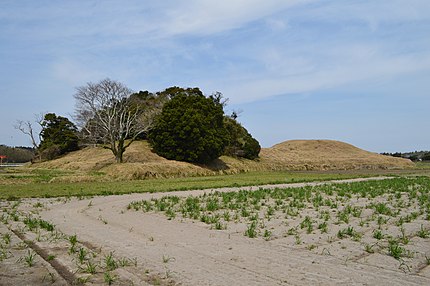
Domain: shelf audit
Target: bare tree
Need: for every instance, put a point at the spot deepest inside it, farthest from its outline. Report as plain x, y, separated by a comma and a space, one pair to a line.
106, 115
27, 128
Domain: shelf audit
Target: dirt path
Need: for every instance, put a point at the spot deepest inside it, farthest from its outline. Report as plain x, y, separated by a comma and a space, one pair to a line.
192, 254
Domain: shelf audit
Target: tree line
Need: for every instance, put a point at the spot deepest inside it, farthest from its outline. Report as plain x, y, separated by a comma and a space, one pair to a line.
180, 123
18, 154
413, 156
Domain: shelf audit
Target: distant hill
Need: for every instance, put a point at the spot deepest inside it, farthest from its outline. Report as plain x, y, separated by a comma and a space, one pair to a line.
141, 162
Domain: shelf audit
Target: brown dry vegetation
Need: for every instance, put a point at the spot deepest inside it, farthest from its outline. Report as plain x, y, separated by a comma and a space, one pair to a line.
141, 162
327, 155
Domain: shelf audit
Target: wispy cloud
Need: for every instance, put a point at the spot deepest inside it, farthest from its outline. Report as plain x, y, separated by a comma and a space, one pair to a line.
209, 17
250, 50
347, 72
346, 42
284, 43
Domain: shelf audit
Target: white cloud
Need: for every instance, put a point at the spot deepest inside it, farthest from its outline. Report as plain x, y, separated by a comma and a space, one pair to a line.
151, 39
346, 71
207, 17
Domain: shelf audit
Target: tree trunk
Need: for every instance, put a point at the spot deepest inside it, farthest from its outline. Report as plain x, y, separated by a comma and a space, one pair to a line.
118, 157
120, 151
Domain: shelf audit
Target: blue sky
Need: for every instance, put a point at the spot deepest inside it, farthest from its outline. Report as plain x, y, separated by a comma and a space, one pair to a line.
355, 71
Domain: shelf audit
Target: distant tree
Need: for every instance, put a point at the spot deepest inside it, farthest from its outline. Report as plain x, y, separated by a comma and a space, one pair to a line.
17, 154
397, 154
413, 157
426, 156
107, 114
59, 135
190, 127
239, 142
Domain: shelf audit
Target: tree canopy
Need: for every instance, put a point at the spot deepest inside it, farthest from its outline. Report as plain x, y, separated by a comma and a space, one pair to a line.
58, 136
239, 142
190, 127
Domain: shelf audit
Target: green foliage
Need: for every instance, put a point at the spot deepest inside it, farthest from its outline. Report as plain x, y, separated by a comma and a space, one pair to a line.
190, 128
109, 278
145, 100
251, 231
395, 250
426, 156
29, 258
59, 135
239, 142
414, 156
16, 154
37, 178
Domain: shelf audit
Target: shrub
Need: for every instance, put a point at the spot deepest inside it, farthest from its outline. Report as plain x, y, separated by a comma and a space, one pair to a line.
239, 142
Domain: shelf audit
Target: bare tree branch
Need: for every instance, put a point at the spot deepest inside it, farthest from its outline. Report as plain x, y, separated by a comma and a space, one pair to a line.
106, 115
27, 128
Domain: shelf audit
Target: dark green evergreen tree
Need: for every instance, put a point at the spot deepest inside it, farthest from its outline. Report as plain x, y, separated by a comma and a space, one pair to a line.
190, 127
59, 135
239, 142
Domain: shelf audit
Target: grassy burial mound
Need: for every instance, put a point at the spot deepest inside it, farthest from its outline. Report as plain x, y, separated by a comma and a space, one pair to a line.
326, 155
141, 162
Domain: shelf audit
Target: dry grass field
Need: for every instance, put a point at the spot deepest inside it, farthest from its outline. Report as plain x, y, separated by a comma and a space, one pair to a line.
297, 155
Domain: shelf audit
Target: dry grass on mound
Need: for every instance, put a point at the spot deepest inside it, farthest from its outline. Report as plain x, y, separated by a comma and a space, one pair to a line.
87, 159
327, 155
134, 171
141, 163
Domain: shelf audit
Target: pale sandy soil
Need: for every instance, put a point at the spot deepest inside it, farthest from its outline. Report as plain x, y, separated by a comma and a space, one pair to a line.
183, 251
